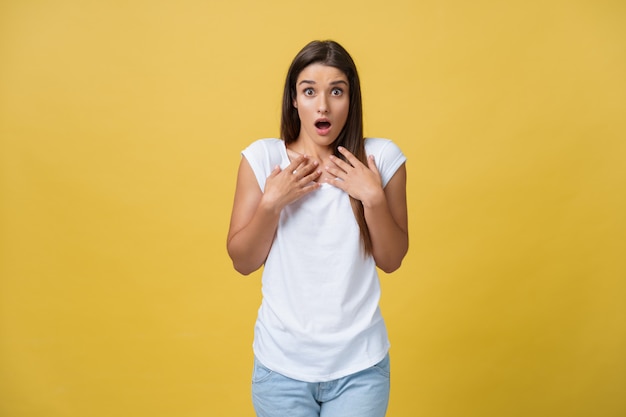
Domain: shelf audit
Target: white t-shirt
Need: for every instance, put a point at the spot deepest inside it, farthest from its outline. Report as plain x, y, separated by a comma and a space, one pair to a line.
319, 319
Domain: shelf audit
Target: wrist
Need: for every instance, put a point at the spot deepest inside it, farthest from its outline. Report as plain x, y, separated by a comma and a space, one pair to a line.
375, 199
269, 206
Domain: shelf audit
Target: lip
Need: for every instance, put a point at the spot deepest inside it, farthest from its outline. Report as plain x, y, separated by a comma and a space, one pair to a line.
325, 130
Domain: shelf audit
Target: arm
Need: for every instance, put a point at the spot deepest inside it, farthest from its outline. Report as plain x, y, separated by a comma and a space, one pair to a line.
385, 209
255, 213
386, 217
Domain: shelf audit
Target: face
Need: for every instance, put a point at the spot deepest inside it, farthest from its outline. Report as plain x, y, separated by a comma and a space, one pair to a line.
323, 101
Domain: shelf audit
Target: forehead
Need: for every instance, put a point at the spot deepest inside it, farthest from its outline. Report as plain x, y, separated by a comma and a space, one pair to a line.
321, 73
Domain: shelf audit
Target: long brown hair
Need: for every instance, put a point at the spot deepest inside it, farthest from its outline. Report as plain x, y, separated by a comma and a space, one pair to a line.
351, 136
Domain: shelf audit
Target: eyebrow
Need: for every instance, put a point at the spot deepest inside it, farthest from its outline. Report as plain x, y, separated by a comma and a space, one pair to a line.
332, 83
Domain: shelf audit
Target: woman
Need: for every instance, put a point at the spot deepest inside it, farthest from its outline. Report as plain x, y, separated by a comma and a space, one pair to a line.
320, 209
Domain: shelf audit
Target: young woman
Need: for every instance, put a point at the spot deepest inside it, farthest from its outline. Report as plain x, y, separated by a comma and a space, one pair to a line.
320, 209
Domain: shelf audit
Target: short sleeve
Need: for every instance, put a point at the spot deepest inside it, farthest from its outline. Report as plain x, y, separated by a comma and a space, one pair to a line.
263, 155
387, 155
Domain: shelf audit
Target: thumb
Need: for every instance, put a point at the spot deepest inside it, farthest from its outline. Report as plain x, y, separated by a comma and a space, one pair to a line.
275, 171
371, 163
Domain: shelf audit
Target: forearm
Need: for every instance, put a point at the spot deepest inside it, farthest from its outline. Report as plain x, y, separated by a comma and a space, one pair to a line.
248, 247
390, 241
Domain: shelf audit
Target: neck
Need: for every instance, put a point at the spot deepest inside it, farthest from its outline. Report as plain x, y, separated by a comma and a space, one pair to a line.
310, 149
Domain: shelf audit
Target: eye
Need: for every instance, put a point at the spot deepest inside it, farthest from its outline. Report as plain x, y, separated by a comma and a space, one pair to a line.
336, 91
308, 91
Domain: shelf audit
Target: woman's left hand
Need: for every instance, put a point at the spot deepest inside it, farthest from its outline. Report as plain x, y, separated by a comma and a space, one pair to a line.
359, 181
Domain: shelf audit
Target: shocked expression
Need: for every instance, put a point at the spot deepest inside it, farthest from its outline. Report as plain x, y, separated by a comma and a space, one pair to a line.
323, 101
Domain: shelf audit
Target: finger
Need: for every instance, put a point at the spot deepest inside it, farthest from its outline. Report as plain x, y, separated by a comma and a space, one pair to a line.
308, 188
313, 175
275, 171
296, 162
340, 163
305, 168
336, 172
371, 163
349, 156
296, 165
338, 182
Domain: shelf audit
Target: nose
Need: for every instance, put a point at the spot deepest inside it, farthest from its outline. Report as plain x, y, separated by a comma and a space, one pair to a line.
322, 105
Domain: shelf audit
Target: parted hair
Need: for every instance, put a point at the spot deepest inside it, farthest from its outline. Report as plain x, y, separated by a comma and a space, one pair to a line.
332, 54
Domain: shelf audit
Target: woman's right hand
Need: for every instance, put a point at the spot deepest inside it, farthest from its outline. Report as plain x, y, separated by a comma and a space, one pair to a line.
284, 186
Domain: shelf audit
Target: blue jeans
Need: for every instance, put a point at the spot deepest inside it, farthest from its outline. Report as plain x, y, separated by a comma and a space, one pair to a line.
363, 394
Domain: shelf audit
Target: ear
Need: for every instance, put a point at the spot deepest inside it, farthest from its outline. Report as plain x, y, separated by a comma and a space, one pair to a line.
295, 103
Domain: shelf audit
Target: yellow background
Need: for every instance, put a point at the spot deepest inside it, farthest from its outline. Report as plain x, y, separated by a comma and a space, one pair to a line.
121, 124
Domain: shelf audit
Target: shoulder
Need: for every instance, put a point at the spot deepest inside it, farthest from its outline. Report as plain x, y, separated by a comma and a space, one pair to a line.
384, 150
263, 155
377, 146
388, 156
268, 150
264, 145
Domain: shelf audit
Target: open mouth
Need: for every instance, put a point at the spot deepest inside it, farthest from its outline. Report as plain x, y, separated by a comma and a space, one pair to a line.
322, 125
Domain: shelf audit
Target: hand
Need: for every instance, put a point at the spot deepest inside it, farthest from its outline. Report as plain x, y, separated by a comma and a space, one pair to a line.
359, 181
283, 187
